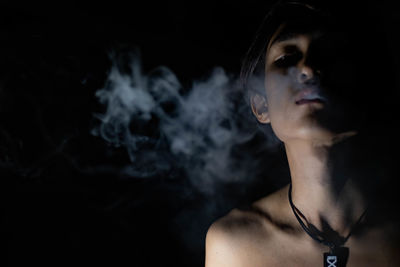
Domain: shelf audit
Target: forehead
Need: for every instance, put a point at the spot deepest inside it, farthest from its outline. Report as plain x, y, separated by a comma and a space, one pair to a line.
289, 31
328, 34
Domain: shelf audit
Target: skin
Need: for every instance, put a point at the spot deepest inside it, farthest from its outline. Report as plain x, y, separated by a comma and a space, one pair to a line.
268, 234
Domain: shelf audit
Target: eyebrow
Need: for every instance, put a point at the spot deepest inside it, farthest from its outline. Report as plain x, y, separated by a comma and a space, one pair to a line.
284, 37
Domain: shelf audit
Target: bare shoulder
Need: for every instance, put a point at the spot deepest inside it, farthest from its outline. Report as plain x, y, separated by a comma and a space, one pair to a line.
242, 237
230, 239
239, 224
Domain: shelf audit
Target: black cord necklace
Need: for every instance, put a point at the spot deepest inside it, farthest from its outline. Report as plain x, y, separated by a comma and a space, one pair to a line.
337, 255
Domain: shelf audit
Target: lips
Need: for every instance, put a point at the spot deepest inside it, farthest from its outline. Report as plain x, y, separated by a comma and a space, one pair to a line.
309, 95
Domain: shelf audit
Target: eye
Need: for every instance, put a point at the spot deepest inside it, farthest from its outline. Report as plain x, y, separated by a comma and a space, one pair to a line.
288, 60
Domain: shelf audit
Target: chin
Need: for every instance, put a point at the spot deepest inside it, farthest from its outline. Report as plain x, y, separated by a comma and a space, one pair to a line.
307, 126
312, 133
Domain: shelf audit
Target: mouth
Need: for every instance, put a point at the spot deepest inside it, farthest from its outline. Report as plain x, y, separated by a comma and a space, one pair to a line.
308, 96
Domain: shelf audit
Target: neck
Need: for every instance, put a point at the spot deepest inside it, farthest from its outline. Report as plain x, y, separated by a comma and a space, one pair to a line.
324, 200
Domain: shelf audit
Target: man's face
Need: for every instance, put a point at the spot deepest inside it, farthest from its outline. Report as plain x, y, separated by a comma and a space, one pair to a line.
306, 72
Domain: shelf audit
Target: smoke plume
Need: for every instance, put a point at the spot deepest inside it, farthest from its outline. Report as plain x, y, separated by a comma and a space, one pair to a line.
161, 124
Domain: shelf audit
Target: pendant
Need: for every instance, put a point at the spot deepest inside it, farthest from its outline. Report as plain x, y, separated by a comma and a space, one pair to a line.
337, 257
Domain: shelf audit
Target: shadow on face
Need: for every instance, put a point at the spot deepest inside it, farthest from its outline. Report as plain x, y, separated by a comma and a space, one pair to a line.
336, 62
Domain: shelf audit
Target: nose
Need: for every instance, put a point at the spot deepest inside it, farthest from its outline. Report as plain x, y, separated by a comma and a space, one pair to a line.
310, 66
306, 73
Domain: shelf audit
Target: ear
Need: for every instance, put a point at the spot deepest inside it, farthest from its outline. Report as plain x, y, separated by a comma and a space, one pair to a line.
260, 108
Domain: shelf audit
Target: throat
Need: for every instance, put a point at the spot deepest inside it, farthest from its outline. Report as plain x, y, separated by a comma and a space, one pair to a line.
327, 201
330, 230
328, 211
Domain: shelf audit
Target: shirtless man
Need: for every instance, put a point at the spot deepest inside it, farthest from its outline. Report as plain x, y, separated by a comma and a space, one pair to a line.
305, 48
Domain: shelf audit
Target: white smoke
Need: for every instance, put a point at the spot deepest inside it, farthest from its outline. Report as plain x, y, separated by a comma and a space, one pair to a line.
160, 125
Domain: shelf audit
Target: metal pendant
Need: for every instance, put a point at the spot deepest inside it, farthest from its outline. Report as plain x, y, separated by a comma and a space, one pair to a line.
337, 257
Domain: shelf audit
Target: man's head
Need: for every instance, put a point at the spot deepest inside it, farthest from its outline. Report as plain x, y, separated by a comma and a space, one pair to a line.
313, 65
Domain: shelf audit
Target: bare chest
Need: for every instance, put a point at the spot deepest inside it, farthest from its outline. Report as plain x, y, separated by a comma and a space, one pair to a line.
294, 252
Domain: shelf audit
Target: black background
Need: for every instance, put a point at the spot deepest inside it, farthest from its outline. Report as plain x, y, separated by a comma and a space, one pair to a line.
54, 56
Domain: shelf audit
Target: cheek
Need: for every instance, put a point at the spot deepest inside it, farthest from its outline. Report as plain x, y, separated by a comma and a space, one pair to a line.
278, 93
279, 99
